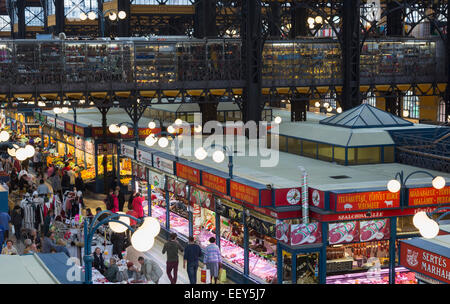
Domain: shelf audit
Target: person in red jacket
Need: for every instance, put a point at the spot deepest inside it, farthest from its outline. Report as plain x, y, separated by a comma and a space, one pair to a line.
115, 202
137, 205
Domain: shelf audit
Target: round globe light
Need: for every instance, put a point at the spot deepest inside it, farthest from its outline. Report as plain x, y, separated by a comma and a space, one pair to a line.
150, 140
83, 16
329, 109
310, 20
438, 182
91, 15
122, 15
405, 113
142, 241
311, 26
123, 130
430, 229
113, 128
12, 152
178, 121
65, 110
420, 219
151, 225
200, 153
198, 128
163, 142
112, 16
277, 120
29, 150
21, 154
170, 129
326, 105
218, 156
318, 20
317, 104
4, 136
394, 186
117, 227
152, 125
339, 110
57, 110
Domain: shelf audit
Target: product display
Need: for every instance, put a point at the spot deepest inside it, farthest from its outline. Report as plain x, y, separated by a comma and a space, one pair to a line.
402, 276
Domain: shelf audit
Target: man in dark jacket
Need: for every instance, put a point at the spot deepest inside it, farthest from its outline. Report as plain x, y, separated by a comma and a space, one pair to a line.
118, 241
121, 198
79, 183
99, 262
49, 244
65, 182
112, 271
171, 247
16, 220
192, 254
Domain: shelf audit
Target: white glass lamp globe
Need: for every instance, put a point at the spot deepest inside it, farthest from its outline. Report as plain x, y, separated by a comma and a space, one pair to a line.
142, 241
405, 113
117, 227
218, 156
12, 152
150, 140
4, 136
29, 150
112, 16
65, 110
339, 110
200, 153
438, 182
394, 186
310, 20
83, 16
21, 154
277, 120
326, 105
317, 104
163, 142
198, 128
57, 110
152, 125
329, 109
311, 25
318, 20
92, 15
122, 15
178, 121
123, 130
420, 219
170, 129
430, 229
113, 128
151, 225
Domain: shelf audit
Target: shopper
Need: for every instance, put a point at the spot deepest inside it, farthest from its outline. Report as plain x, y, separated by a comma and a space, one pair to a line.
150, 270
42, 189
130, 200
35, 238
17, 215
171, 247
65, 182
47, 222
79, 183
99, 262
37, 160
212, 259
118, 241
101, 217
109, 201
192, 254
14, 180
89, 214
71, 175
9, 248
111, 271
121, 196
137, 205
49, 243
30, 247
4, 223
56, 183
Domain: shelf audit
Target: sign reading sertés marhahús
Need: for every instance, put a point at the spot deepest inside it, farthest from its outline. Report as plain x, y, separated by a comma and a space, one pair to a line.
364, 200
428, 196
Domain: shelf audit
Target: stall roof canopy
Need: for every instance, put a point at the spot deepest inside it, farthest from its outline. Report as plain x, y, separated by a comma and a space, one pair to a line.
365, 116
24, 269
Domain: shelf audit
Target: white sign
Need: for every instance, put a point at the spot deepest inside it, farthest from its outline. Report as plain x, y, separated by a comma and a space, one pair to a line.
60, 124
127, 151
157, 180
293, 196
144, 157
163, 164
89, 147
51, 121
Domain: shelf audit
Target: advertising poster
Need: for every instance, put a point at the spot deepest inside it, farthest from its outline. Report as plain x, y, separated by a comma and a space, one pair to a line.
282, 231
305, 234
374, 230
344, 232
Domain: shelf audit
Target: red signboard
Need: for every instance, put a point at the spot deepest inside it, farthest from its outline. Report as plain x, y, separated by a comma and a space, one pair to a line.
343, 232
316, 198
428, 196
364, 201
288, 197
244, 193
304, 234
79, 130
214, 182
143, 133
69, 127
425, 262
188, 173
266, 197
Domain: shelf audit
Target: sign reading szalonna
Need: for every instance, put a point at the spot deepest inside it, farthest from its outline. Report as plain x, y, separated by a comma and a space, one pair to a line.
434, 261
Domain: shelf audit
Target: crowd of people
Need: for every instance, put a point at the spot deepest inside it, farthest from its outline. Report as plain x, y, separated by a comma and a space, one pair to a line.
47, 184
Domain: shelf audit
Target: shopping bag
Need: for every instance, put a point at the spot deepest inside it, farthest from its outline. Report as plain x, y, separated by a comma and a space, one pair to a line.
13, 231
205, 275
222, 275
